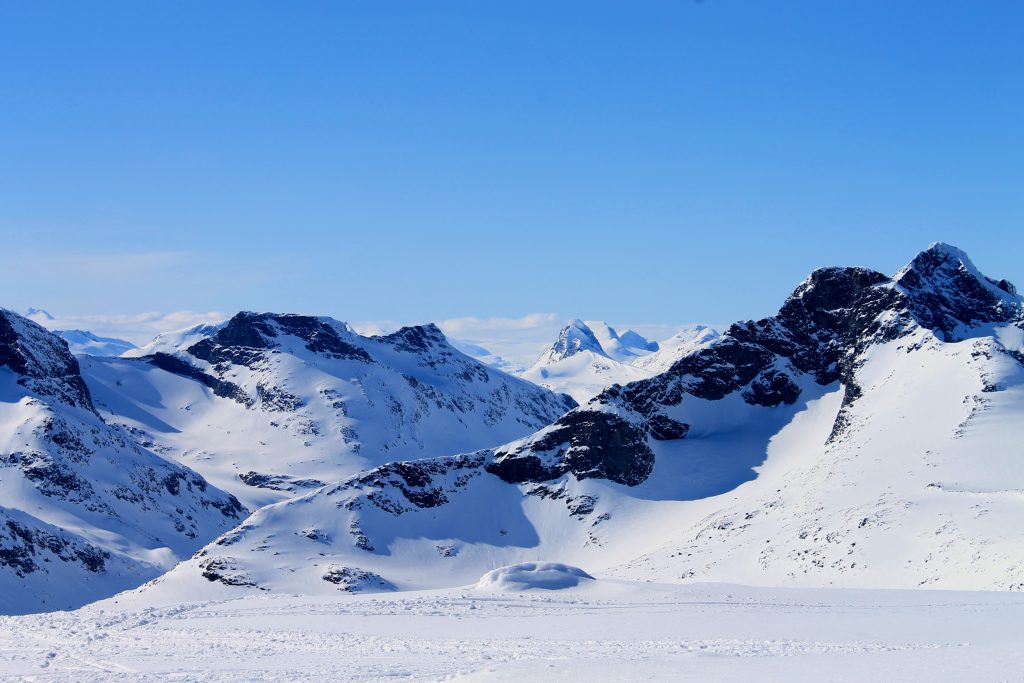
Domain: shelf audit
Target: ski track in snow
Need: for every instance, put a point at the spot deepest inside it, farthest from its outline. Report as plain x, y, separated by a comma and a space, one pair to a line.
614, 631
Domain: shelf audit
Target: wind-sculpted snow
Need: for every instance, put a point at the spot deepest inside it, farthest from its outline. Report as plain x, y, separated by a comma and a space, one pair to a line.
85, 511
849, 440
289, 398
531, 576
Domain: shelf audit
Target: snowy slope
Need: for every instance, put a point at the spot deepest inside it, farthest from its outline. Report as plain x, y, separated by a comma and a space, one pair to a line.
84, 342
688, 340
84, 512
172, 342
269, 406
867, 435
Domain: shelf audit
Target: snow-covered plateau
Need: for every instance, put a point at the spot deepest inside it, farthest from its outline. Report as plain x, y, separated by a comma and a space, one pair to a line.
604, 630
832, 493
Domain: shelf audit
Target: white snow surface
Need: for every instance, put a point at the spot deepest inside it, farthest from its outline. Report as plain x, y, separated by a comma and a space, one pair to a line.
85, 342
603, 630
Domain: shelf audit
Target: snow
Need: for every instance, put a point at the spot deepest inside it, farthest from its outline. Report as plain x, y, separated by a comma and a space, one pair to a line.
769, 540
85, 342
531, 576
85, 512
177, 340
582, 375
590, 356
343, 415
920, 489
604, 630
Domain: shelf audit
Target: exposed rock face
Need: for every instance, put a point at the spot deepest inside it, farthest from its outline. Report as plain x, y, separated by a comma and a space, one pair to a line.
810, 335
400, 487
415, 338
587, 444
823, 329
27, 547
42, 360
355, 580
220, 387
233, 342
946, 292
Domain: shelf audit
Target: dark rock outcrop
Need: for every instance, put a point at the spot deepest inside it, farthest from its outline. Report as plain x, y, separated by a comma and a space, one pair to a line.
240, 340
587, 444
182, 368
45, 364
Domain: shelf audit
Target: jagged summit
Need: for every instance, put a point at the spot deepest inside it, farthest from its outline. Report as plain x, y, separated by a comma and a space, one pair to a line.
265, 331
575, 337
948, 293
590, 356
416, 338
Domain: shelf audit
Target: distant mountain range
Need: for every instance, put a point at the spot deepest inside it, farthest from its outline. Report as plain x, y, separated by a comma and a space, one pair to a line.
868, 434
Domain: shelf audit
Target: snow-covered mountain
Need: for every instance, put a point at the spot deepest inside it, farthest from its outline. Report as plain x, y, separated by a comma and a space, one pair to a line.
485, 356
84, 511
84, 342
686, 341
172, 342
867, 435
588, 357
269, 406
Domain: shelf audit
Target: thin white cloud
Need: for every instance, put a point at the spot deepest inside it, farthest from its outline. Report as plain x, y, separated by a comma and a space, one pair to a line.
471, 326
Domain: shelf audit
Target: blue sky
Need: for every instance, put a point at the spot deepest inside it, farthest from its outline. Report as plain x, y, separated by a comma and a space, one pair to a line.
654, 162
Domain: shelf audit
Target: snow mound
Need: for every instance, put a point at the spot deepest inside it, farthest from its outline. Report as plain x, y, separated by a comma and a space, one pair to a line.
531, 575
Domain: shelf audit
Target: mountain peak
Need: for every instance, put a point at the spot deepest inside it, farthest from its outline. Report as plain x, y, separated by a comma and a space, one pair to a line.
575, 337
942, 263
416, 338
635, 340
248, 330
946, 290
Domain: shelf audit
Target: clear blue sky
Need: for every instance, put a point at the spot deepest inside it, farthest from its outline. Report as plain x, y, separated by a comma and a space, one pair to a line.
639, 162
